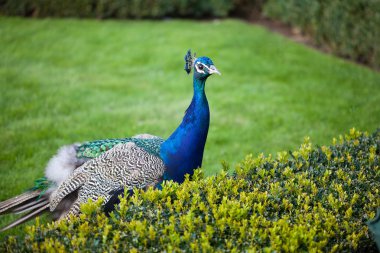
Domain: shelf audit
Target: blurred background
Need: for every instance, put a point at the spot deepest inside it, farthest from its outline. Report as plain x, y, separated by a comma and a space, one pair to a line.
348, 28
78, 70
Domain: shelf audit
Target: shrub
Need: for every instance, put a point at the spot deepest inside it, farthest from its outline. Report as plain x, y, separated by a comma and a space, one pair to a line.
348, 28
312, 200
249, 9
116, 8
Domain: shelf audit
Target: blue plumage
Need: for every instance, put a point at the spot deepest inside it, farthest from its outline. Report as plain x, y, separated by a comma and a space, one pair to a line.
182, 152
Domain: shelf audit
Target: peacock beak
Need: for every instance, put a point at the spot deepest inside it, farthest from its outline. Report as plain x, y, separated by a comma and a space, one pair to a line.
213, 70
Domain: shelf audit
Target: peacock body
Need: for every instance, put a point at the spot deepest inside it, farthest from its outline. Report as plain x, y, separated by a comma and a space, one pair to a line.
104, 168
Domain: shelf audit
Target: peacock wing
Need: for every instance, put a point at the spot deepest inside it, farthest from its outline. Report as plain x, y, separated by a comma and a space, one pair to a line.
126, 165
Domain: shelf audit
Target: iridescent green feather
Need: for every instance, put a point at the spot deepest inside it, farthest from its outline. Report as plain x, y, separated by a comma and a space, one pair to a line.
96, 148
42, 184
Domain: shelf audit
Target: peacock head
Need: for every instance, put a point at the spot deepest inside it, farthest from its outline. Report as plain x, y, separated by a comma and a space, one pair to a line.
203, 66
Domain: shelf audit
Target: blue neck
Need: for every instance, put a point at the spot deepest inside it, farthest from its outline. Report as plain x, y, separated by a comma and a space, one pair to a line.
182, 152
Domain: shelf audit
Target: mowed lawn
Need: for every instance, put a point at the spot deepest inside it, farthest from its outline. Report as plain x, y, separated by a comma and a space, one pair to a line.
65, 81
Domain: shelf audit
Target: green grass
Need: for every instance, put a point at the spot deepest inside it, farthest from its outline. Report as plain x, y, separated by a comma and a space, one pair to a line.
65, 81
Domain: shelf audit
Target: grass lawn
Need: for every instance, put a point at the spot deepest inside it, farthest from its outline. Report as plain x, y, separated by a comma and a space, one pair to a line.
65, 81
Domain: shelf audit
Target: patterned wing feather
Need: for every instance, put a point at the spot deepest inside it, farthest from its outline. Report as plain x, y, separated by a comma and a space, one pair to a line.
75, 181
125, 165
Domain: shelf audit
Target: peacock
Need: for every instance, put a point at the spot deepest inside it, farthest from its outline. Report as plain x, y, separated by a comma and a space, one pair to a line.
105, 168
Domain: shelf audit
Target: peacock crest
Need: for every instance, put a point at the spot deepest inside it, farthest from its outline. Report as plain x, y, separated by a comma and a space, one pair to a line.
189, 61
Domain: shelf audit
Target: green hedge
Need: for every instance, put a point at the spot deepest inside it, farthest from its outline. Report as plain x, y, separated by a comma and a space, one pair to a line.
116, 8
314, 199
350, 28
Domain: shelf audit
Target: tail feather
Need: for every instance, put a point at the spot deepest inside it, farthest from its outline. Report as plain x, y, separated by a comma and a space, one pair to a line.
27, 204
31, 206
11, 203
26, 217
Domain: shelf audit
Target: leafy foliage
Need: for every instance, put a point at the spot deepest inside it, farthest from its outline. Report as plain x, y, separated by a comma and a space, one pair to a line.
116, 8
348, 28
313, 199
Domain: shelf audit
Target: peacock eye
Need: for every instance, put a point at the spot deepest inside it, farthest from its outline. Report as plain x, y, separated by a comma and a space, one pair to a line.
200, 66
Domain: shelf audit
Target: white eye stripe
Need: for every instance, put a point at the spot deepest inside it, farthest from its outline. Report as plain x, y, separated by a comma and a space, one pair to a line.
199, 70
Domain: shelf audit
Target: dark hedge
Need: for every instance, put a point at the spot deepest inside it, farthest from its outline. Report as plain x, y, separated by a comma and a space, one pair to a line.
116, 8
350, 28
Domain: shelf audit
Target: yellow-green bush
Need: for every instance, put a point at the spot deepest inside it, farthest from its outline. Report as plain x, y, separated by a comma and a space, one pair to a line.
314, 199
